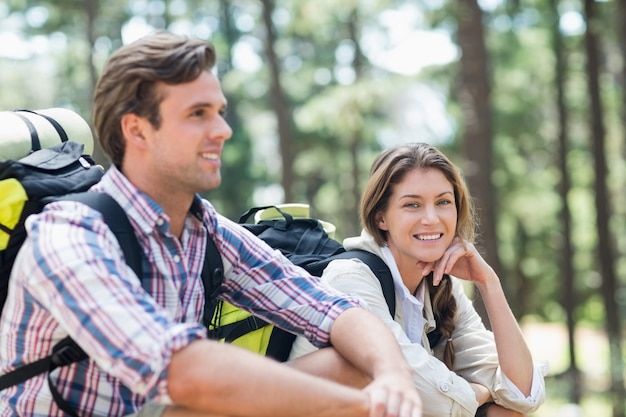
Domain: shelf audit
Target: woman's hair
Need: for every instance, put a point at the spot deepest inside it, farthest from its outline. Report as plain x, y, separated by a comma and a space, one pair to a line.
129, 82
389, 168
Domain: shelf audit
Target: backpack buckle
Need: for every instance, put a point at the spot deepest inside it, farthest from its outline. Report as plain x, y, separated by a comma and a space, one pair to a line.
66, 352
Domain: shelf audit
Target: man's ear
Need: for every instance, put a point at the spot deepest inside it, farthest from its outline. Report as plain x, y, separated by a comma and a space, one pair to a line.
134, 129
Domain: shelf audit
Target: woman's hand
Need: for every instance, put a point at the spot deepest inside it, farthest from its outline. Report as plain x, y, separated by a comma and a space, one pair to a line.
462, 260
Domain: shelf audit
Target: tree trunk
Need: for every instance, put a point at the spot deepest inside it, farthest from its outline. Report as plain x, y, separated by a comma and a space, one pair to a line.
236, 173
603, 213
279, 103
351, 206
91, 12
570, 299
621, 35
474, 98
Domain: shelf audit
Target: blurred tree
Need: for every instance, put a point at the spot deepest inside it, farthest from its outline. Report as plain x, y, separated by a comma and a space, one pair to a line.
474, 96
282, 109
603, 212
569, 297
234, 195
74, 25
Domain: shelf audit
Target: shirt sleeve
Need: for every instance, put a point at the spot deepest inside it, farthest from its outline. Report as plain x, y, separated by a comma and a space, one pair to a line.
476, 359
82, 281
260, 280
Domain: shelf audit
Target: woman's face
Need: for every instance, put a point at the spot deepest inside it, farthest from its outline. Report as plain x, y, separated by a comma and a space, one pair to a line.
420, 219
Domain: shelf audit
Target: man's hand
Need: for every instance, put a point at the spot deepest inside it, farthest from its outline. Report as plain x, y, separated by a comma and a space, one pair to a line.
394, 395
364, 341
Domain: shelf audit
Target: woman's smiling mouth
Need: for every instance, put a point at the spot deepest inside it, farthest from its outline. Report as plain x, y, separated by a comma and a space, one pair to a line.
429, 237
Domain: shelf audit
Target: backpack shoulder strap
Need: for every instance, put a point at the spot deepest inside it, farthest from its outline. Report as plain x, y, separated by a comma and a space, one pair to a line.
212, 277
66, 351
380, 269
115, 217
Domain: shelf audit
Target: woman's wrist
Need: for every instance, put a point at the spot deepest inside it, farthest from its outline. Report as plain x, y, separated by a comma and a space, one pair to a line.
482, 393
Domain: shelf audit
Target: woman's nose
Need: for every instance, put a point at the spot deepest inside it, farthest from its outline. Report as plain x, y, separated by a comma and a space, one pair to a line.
429, 215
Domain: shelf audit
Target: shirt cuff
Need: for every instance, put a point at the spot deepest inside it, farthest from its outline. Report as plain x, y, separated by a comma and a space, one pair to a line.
177, 337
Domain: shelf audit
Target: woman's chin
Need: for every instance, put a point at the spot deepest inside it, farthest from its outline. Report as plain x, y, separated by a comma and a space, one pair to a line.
430, 257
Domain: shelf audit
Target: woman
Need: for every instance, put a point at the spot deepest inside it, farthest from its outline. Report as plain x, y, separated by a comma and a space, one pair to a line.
418, 217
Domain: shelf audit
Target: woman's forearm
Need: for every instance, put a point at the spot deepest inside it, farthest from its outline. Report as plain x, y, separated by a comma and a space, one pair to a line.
513, 353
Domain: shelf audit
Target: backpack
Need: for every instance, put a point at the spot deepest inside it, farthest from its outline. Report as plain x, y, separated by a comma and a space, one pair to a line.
65, 172
26, 181
304, 242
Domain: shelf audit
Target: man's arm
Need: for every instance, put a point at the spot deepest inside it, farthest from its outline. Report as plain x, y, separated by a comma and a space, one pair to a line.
225, 380
366, 343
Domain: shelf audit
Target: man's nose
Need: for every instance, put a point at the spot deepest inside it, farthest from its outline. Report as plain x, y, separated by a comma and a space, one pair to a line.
221, 130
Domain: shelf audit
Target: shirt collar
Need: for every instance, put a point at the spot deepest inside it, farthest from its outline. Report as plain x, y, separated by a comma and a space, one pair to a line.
401, 289
143, 210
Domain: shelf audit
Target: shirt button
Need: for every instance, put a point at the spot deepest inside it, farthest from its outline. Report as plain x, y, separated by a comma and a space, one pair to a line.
159, 222
176, 258
444, 387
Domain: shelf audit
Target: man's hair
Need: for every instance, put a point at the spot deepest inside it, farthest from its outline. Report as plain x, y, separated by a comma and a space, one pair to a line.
128, 83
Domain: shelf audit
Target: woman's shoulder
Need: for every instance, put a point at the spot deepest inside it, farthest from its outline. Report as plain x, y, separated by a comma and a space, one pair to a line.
362, 242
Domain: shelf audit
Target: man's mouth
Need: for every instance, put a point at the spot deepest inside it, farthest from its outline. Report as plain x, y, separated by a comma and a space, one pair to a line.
210, 156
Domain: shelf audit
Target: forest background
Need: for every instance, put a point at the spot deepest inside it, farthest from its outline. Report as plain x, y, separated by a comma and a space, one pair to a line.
527, 97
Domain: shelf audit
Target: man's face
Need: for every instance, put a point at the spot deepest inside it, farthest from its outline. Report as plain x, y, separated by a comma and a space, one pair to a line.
185, 151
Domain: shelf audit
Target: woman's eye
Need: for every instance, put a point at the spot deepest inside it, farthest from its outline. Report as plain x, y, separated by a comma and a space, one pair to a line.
411, 205
444, 202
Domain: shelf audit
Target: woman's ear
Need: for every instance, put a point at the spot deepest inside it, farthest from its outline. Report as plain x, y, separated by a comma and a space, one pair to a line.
380, 221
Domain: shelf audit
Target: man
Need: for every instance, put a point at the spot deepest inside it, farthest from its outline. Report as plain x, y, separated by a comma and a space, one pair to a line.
159, 115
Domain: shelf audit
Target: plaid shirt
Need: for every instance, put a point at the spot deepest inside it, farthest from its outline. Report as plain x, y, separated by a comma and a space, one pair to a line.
70, 278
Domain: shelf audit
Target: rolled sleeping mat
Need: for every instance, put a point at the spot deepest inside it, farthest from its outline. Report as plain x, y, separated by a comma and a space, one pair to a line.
25, 131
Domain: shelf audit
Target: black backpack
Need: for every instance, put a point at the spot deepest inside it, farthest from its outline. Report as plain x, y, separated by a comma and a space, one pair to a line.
305, 243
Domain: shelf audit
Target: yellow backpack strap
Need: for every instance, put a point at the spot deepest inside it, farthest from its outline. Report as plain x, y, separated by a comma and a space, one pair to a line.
13, 200
231, 331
